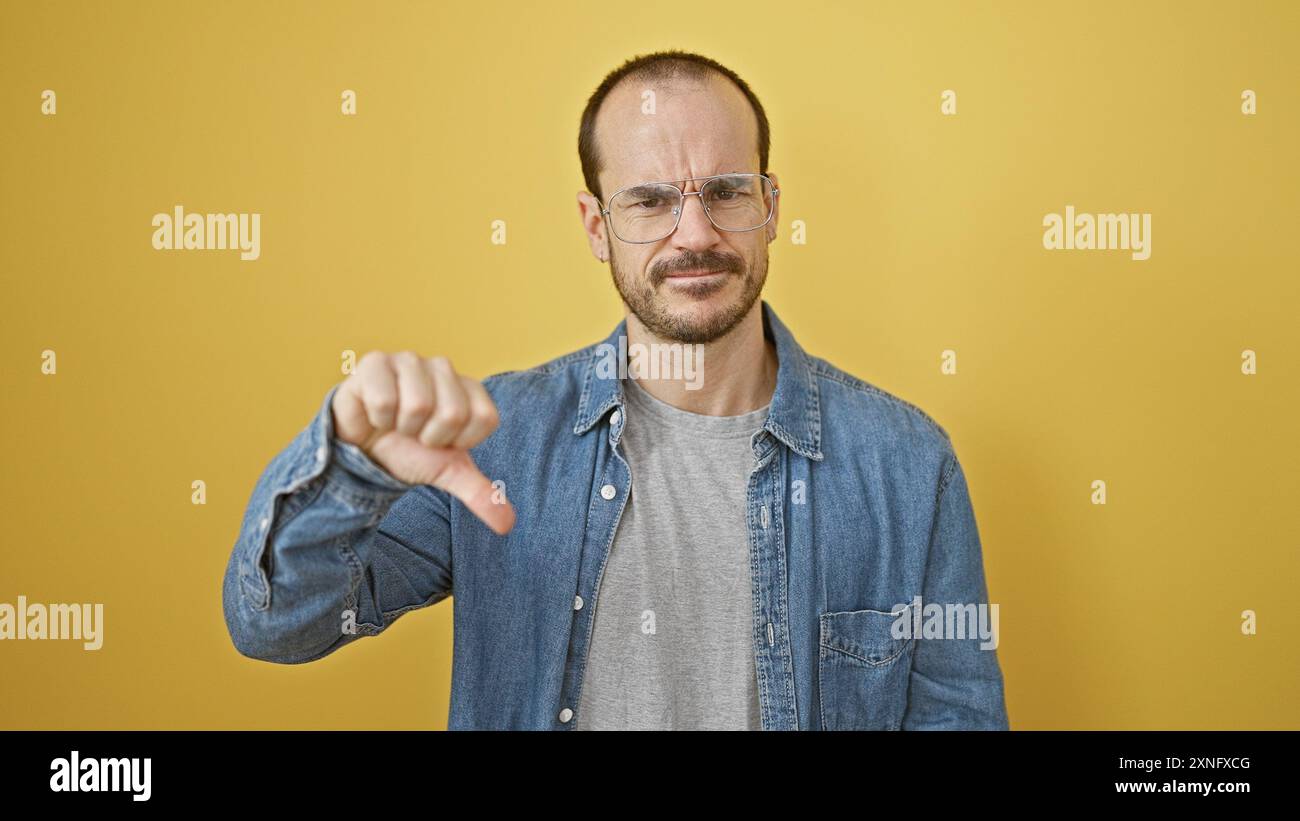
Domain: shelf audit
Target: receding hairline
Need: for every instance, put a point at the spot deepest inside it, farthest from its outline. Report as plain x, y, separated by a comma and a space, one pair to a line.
668, 87
668, 73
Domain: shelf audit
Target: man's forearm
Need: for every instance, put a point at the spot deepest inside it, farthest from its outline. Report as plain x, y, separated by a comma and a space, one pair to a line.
292, 586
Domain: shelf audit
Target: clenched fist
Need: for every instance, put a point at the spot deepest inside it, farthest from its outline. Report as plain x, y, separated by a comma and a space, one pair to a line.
417, 418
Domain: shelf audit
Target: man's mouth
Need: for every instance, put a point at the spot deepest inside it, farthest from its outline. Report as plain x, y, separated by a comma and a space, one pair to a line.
691, 274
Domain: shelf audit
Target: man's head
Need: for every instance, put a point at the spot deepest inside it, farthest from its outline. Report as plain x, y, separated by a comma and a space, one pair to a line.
668, 117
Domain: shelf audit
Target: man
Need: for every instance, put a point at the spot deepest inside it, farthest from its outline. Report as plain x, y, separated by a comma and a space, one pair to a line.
744, 541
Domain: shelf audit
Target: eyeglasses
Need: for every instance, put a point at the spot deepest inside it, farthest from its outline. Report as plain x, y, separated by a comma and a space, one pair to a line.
650, 211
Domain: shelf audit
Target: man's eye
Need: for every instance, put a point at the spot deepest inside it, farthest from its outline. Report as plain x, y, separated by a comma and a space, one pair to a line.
650, 203
728, 194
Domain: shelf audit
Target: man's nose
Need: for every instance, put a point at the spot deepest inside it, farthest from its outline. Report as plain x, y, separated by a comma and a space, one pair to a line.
694, 230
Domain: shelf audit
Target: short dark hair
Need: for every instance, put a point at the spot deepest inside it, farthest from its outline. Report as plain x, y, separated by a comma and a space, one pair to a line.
658, 67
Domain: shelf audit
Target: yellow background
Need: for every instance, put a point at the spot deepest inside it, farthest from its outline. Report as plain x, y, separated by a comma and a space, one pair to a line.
924, 234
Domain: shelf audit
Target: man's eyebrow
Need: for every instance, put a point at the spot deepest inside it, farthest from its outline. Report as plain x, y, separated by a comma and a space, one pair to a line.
643, 189
648, 187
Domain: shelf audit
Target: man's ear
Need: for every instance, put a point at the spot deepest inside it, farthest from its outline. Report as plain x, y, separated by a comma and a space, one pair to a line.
774, 226
593, 224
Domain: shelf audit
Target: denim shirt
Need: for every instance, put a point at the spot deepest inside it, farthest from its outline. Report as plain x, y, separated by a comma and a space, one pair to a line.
857, 505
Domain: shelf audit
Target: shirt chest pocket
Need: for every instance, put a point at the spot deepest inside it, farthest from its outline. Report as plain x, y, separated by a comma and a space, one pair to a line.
862, 670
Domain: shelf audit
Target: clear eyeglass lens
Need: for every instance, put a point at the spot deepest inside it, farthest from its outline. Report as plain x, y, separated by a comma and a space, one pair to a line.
645, 212
736, 202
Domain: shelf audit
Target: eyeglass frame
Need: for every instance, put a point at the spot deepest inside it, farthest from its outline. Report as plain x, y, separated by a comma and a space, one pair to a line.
681, 203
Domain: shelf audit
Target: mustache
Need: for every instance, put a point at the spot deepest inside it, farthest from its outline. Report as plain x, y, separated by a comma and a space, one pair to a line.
697, 262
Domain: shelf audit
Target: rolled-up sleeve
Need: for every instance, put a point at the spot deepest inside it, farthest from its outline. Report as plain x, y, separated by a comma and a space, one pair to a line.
331, 548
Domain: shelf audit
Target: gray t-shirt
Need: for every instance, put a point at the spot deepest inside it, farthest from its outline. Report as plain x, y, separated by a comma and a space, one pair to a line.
672, 643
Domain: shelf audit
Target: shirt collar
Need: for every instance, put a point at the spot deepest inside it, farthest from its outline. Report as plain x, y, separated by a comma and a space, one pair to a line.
795, 413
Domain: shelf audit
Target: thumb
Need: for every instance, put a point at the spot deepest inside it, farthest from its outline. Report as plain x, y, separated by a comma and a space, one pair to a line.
462, 479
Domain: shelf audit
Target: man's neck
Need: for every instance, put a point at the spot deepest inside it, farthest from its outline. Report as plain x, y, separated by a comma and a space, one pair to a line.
739, 370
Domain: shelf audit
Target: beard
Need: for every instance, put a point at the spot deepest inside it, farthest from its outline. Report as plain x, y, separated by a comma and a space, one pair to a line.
651, 308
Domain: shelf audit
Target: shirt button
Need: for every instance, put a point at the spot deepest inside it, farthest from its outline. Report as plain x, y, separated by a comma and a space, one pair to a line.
565, 715
577, 602
607, 492
613, 419
321, 453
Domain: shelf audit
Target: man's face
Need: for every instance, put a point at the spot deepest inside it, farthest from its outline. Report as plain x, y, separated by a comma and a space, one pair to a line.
697, 283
